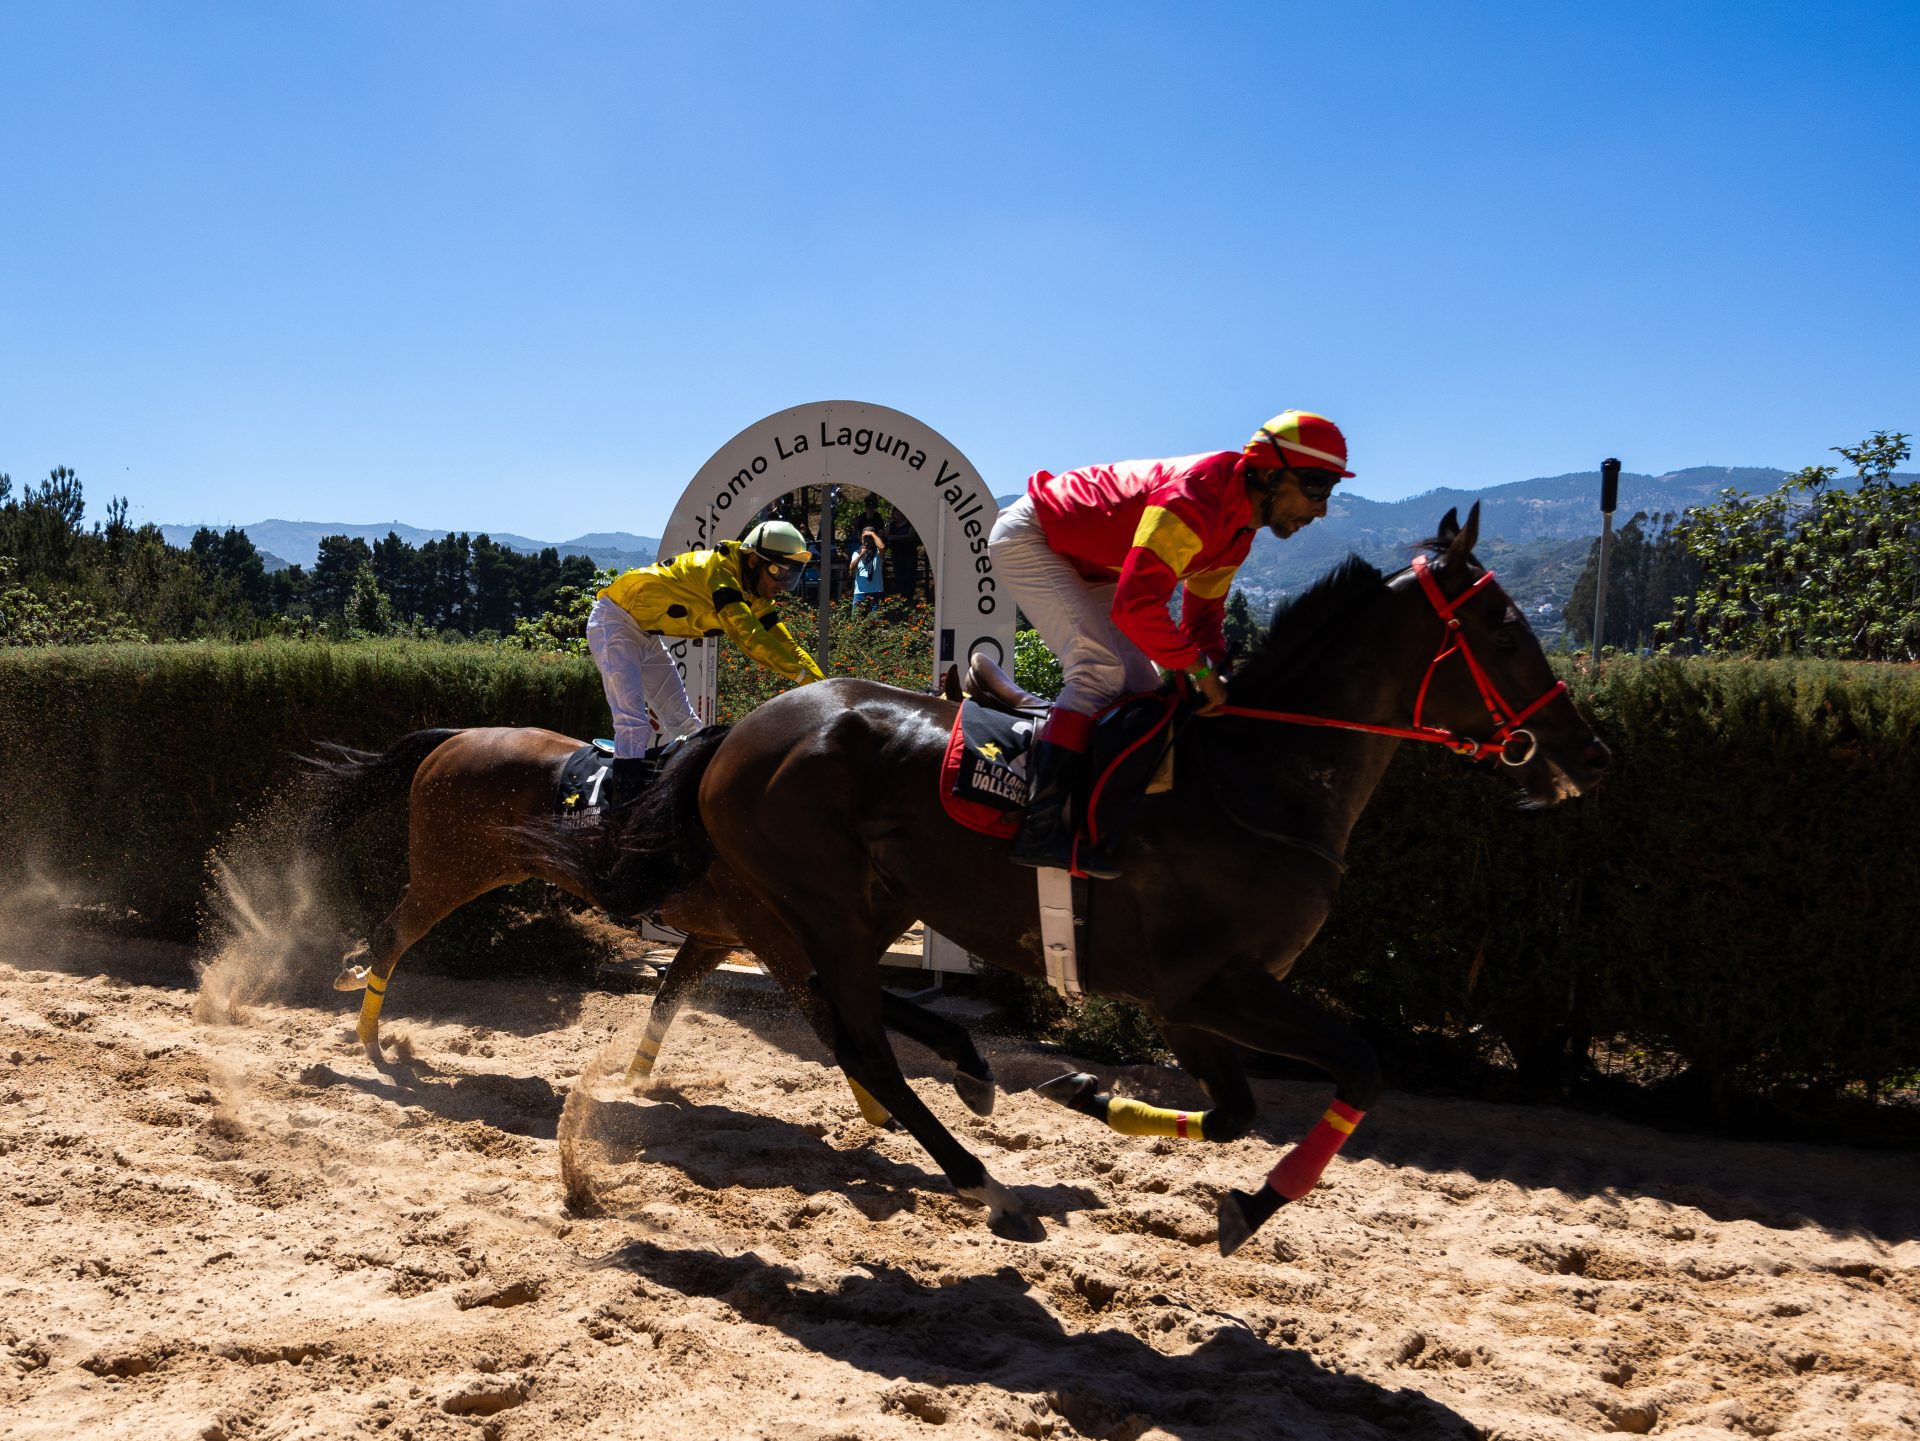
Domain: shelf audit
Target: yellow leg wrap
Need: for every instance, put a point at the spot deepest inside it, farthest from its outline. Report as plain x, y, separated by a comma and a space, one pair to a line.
876, 1114
1137, 1118
369, 1027
644, 1055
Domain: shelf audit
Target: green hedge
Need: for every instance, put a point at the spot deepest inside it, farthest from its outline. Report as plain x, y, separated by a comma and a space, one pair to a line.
121, 766
1737, 903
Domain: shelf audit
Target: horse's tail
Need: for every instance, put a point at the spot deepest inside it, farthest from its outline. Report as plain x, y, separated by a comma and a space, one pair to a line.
648, 855
347, 784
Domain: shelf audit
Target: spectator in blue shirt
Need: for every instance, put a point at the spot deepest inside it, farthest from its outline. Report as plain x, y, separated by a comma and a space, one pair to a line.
869, 575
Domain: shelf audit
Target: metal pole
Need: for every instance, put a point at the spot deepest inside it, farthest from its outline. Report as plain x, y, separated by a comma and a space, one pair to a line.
1609, 498
827, 494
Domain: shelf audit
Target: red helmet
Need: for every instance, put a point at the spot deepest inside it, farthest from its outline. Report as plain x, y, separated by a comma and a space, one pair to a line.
1300, 440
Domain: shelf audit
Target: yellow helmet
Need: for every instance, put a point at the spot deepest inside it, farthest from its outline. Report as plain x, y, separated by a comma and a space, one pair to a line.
778, 541
781, 549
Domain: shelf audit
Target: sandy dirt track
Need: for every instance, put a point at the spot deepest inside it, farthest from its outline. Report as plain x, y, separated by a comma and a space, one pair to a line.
248, 1230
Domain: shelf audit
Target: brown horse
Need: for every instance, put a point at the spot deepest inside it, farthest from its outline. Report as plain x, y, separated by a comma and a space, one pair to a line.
478, 800
822, 810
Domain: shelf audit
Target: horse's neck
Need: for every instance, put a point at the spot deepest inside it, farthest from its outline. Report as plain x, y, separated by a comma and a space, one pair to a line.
1329, 775
1323, 777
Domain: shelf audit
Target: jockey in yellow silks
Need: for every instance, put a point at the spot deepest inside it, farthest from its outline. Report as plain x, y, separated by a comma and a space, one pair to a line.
729, 591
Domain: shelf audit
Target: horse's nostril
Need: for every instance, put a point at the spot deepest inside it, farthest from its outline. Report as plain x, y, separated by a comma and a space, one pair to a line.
1596, 755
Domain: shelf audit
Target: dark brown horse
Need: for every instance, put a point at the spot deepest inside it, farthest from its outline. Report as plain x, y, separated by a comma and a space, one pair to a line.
478, 801
822, 813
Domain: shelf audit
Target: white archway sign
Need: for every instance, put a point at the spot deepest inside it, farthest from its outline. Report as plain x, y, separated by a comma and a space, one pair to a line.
903, 460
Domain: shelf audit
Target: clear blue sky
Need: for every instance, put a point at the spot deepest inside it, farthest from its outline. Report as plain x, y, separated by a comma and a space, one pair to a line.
523, 266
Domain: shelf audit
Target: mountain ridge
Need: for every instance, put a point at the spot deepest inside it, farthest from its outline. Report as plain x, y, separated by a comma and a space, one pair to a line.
298, 541
1536, 532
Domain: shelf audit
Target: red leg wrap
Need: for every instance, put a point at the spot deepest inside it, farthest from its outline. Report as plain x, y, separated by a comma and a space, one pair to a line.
1300, 1168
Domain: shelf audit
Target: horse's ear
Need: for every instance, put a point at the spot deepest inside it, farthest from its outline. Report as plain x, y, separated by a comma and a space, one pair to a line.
1449, 527
1460, 544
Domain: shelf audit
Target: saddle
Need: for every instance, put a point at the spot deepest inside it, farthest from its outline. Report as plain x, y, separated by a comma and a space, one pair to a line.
988, 685
984, 777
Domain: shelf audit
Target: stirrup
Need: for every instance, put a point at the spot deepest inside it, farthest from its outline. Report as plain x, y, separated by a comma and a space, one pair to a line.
1043, 851
1075, 855
1044, 837
1090, 861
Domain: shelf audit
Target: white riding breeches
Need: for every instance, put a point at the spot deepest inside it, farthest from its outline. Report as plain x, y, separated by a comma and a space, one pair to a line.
1074, 615
645, 690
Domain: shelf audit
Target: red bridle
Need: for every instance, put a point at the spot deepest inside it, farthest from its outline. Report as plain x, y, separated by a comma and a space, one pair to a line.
1507, 722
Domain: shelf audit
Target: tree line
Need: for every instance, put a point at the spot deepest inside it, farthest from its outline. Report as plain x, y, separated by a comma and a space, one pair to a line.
1816, 567
64, 581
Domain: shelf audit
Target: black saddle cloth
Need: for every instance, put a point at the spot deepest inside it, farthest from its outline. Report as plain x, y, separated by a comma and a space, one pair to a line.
585, 791
590, 786
1129, 742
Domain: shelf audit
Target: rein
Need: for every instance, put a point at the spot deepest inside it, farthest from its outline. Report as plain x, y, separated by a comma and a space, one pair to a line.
1507, 727
1337, 861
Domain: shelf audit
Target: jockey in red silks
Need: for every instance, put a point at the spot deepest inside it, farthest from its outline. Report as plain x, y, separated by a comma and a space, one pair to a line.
1093, 556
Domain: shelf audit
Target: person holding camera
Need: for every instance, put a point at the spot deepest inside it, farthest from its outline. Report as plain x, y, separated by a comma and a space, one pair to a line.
869, 574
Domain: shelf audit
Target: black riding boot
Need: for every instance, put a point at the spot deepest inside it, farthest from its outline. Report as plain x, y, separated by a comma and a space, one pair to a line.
1046, 833
629, 778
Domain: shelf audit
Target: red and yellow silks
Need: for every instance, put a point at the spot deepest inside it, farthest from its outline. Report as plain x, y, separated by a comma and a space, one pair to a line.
1147, 527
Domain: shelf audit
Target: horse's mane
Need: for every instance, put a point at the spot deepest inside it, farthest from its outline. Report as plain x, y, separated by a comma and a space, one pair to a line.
1305, 625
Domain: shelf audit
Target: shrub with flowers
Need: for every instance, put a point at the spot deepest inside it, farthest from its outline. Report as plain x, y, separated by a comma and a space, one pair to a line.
893, 645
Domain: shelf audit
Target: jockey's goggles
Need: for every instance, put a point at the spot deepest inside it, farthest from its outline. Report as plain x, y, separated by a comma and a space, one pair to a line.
786, 574
1315, 484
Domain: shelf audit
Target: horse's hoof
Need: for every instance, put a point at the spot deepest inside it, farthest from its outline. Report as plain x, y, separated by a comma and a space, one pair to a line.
1018, 1226
1068, 1088
353, 978
995, 1197
1005, 1216
1244, 1212
1077, 1091
975, 1092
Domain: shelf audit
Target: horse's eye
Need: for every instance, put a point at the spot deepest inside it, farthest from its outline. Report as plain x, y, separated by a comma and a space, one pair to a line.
1505, 639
